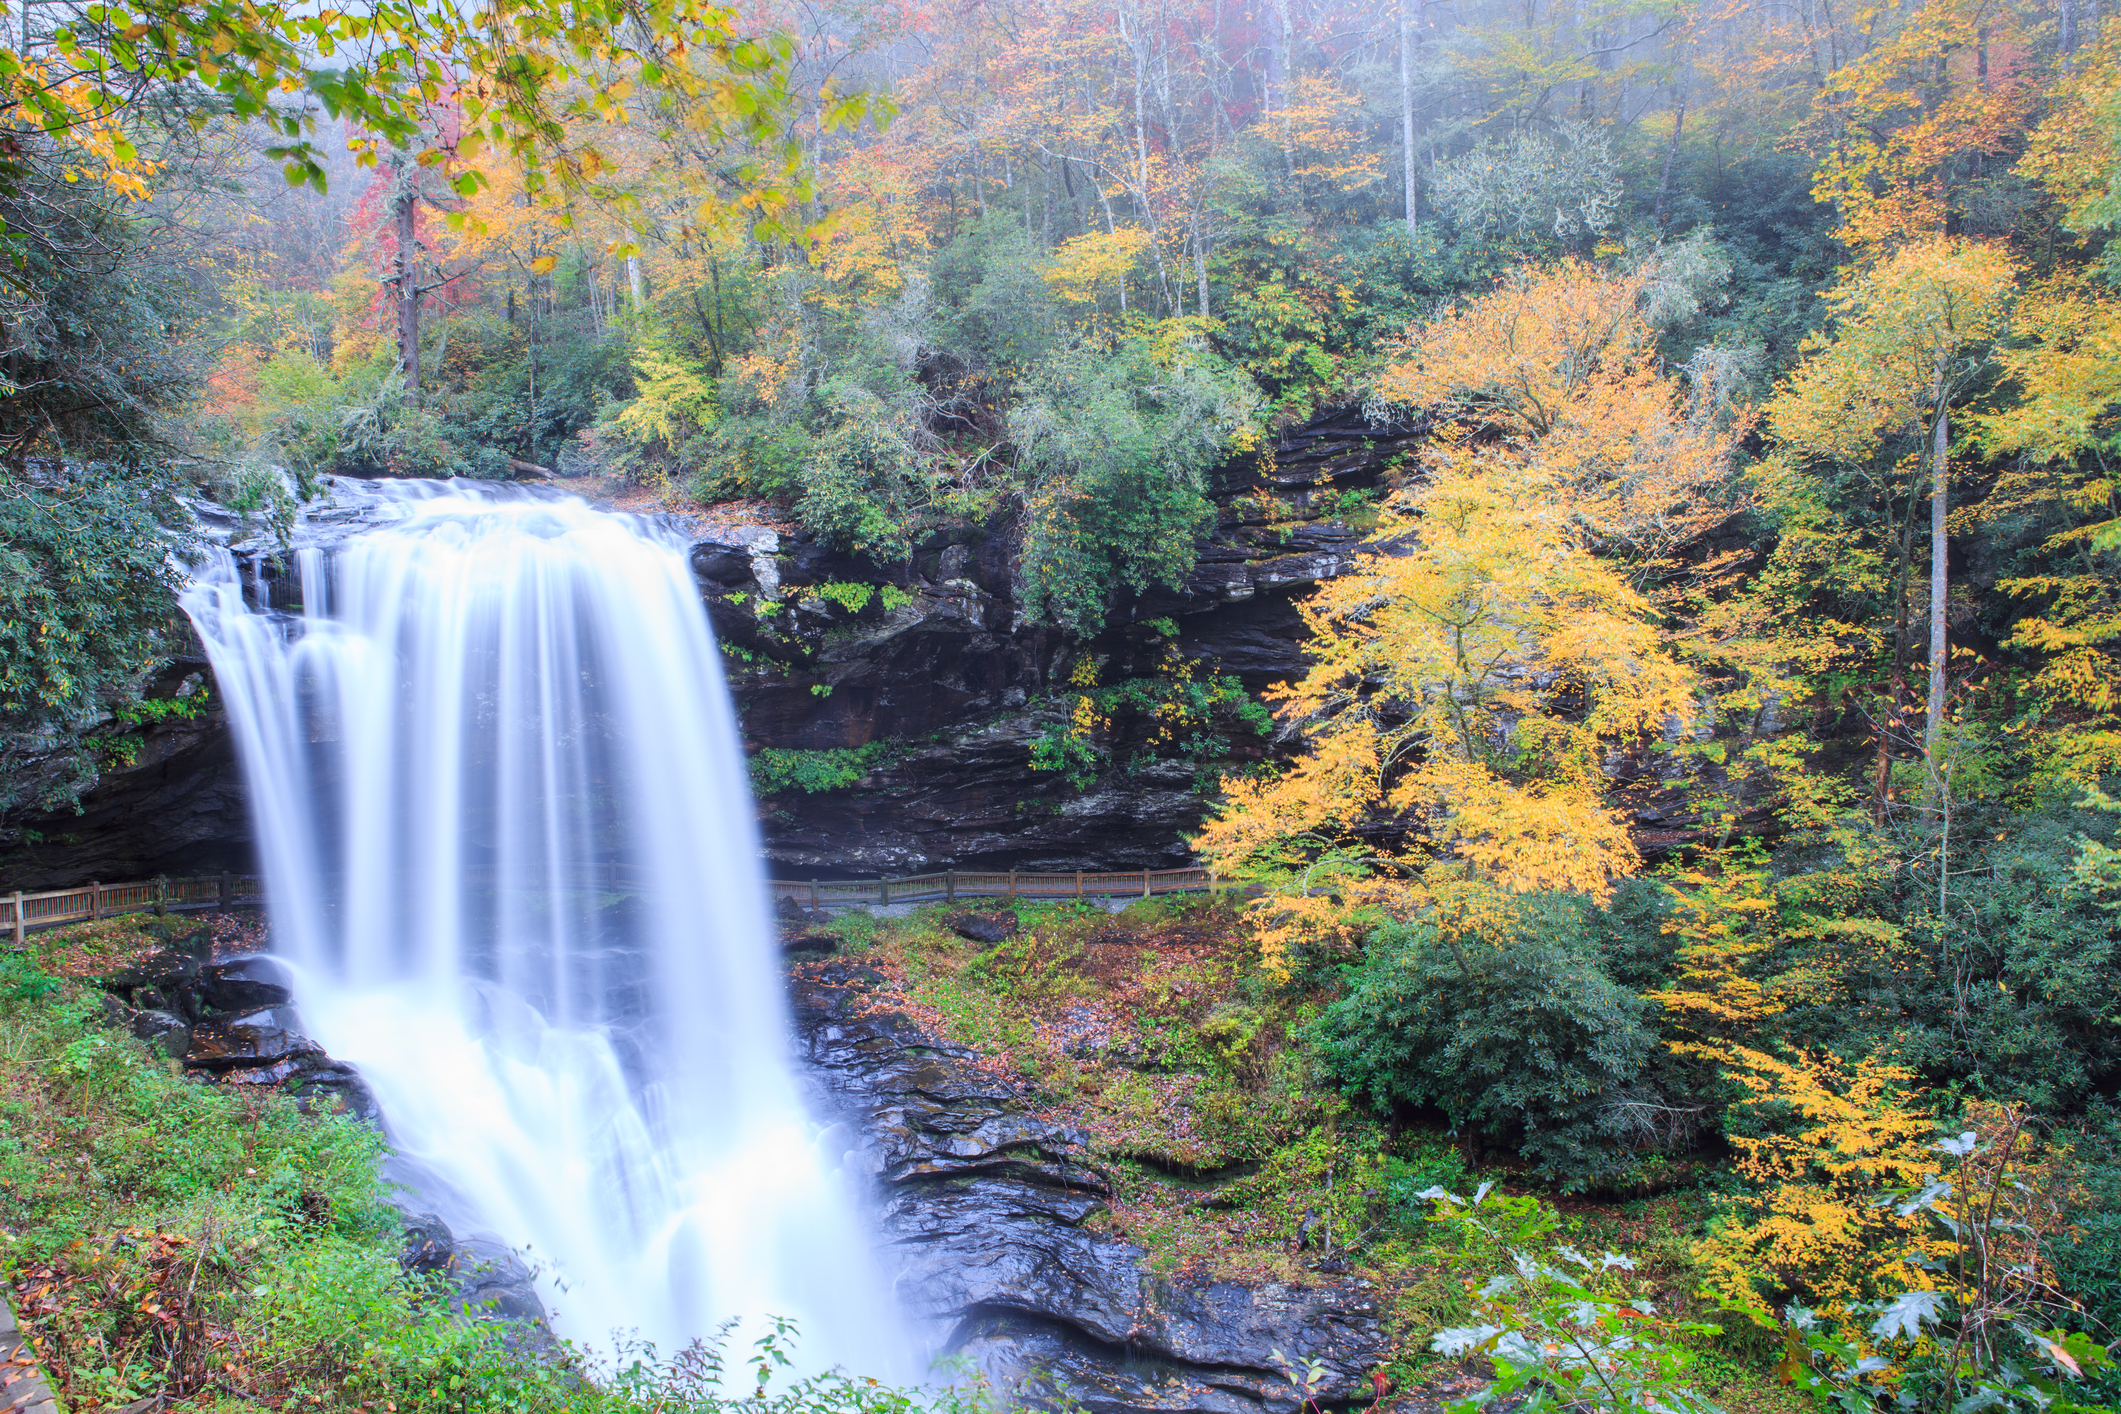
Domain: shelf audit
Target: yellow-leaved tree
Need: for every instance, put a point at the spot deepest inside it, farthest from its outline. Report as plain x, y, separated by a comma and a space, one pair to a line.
1472, 675
1912, 336
1829, 1141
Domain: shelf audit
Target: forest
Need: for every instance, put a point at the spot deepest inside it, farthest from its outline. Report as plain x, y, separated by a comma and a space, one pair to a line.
1764, 358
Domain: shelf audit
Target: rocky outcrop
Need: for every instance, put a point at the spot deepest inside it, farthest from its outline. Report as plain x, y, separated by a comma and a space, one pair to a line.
230, 1022
991, 1216
954, 675
176, 808
947, 670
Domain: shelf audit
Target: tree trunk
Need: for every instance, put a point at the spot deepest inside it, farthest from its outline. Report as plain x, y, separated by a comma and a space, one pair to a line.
1280, 40
1406, 112
1671, 153
1200, 256
1940, 484
633, 282
404, 209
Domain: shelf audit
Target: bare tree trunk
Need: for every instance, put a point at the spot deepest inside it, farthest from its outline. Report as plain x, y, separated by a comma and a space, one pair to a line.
1933, 728
1406, 112
633, 282
1281, 39
1200, 258
1671, 153
1111, 226
404, 210
2067, 40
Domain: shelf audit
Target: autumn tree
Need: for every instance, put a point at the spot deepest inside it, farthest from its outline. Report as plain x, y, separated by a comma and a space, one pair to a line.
1563, 368
1904, 130
1469, 681
1912, 336
2058, 438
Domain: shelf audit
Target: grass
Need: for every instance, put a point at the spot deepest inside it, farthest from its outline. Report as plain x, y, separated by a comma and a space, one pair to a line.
165, 1236
226, 1251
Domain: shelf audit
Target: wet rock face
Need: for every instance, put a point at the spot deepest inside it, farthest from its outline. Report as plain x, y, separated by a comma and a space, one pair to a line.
958, 679
178, 809
952, 672
989, 1212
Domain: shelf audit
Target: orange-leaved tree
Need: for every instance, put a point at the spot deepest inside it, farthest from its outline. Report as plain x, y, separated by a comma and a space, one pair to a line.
1902, 130
1562, 366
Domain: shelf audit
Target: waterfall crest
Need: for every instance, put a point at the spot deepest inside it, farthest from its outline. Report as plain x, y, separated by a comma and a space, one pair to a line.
507, 835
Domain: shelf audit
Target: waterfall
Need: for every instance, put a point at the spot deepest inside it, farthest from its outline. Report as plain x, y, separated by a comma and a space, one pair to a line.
510, 856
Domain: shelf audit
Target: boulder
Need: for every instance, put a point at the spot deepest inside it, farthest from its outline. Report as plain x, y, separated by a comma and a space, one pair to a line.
258, 1039
163, 1030
788, 910
166, 972
429, 1244
245, 984
988, 928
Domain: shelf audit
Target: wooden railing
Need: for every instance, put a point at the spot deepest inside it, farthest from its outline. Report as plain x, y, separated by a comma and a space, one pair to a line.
955, 884
21, 913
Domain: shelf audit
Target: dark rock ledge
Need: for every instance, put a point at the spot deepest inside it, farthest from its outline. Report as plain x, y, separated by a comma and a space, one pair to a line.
988, 1210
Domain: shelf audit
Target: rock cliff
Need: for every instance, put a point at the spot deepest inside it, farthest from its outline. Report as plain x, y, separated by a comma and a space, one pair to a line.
991, 1216
930, 691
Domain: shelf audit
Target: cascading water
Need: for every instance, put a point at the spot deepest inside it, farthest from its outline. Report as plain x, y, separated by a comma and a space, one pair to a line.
509, 851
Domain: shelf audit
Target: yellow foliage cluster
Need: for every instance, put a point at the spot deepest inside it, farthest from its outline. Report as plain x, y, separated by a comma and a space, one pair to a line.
1086, 266
96, 143
1323, 133
1563, 367
1469, 682
1723, 917
1837, 1138
2066, 359
1901, 333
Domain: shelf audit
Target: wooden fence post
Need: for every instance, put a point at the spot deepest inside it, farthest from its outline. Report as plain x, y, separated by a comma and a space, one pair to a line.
883, 891
1012, 886
21, 924
95, 900
161, 895
226, 891
1078, 884
813, 894
950, 886
1145, 883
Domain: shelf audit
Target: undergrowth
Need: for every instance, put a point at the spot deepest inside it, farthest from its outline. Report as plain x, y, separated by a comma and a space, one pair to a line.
1231, 1154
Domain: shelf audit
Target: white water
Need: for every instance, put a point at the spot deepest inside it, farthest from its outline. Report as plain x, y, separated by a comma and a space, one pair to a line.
509, 849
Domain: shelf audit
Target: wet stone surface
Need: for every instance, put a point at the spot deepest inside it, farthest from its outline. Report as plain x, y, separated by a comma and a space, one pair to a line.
987, 1213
